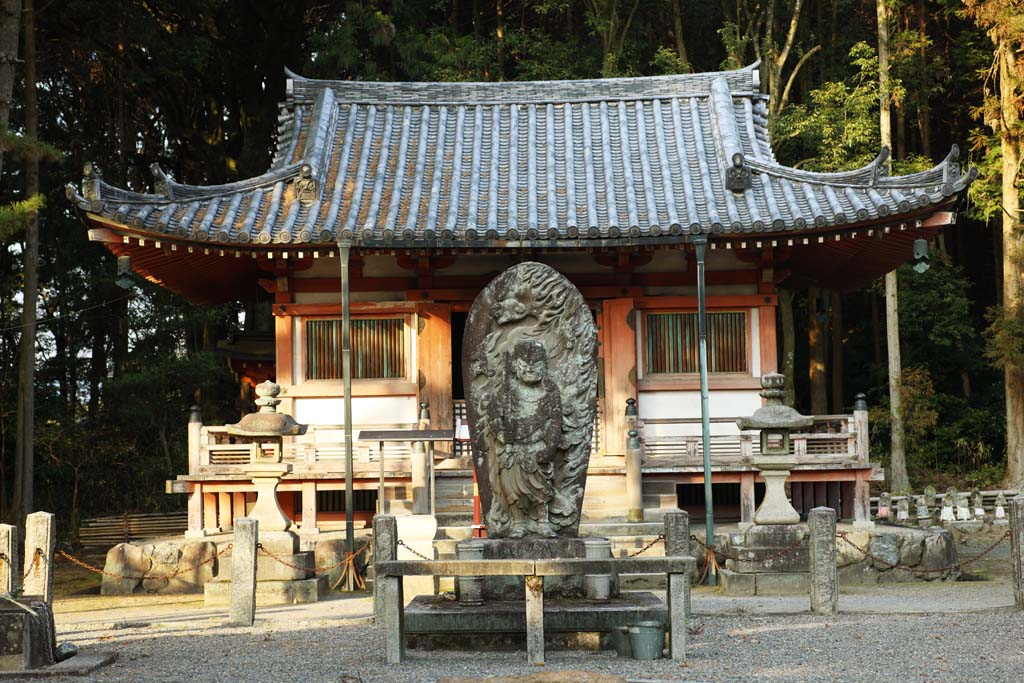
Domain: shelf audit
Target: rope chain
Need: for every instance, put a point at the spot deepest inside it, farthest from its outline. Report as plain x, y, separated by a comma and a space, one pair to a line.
155, 577
347, 564
32, 567
914, 570
660, 538
419, 555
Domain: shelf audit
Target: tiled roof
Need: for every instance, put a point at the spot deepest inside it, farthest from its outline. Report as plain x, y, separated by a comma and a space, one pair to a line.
420, 164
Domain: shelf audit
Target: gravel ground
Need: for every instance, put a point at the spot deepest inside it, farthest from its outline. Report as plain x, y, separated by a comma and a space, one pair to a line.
738, 642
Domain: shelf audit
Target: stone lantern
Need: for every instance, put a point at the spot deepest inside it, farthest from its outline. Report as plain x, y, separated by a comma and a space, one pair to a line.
775, 421
267, 429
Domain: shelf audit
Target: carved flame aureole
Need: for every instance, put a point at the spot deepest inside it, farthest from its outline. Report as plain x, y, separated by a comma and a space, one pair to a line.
530, 372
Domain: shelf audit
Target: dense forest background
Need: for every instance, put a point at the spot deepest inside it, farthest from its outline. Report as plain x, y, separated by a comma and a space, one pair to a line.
194, 85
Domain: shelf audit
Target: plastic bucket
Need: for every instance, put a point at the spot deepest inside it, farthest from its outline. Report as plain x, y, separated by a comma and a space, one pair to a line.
620, 641
647, 639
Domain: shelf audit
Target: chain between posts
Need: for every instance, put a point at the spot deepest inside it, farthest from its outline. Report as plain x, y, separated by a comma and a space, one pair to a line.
660, 538
914, 570
32, 567
347, 562
154, 577
409, 548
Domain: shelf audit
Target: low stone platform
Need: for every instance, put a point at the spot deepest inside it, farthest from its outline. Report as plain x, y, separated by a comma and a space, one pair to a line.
81, 664
218, 593
432, 616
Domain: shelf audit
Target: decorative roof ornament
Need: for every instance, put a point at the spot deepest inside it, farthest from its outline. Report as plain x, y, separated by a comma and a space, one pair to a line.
738, 177
161, 181
267, 422
306, 186
91, 186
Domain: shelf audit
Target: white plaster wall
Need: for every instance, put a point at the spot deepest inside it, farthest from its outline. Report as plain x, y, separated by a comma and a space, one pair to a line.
686, 404
366, 410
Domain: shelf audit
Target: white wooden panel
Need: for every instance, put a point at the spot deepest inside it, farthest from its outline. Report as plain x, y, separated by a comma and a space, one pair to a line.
686, 404
366, 410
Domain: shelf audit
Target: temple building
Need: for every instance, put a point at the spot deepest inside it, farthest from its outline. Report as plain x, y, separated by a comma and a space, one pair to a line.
415, 195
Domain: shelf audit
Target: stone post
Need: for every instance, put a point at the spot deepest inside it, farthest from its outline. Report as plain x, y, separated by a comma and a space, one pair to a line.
385, 548
535, 620
388, 596
420, 475
860, 423
824, 572
677, 544
597, 586
9, 575
1017, 548
243, 572
634, 481
470, 589
40, 540
195, 434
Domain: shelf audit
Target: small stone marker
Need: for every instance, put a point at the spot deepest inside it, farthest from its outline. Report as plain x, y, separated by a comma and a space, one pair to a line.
389, 596
930, 496
903, 510
243, 572
1000, 511
1017, 548
40, 541
963, 510
923, 514
947, 510
978, 504
535, 620
9, 575
884, 505
824, 572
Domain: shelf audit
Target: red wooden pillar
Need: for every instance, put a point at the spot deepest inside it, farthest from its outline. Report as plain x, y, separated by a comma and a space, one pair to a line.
618, 338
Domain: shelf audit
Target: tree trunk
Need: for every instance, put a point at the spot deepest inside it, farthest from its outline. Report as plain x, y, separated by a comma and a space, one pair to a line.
25, 448
10, 30
817, 337
677, 28
838, 339
898, 461
788, 344
1013, 287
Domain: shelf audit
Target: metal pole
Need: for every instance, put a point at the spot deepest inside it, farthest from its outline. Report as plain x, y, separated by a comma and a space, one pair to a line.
346, 378
700, 242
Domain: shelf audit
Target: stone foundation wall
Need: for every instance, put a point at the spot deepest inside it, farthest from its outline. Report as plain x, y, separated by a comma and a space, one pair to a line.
913, 551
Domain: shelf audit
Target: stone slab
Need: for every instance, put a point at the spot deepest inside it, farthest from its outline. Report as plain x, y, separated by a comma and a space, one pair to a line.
512, 587
426, 615
736, 584
79, 665
269, 569
566, 676
783, 584
218, 593
768, 559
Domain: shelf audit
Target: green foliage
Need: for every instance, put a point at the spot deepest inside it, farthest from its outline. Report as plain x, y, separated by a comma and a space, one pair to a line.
1005, 336
838, 126
26, 148
16, 215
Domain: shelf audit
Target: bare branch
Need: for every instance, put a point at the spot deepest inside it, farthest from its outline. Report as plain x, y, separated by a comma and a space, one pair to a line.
792, 76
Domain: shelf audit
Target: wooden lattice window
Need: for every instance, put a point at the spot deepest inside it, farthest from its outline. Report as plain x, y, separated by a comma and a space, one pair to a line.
671, 343
378, 348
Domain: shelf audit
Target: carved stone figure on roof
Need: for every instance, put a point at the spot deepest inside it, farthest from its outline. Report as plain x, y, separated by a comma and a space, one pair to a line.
530, 370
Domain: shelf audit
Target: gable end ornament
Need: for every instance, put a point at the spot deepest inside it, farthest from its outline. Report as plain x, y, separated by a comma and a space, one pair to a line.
161, 181
306, 186
738, 177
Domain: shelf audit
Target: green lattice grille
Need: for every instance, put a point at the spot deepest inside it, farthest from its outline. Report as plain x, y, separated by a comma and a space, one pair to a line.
672, 343
378, 349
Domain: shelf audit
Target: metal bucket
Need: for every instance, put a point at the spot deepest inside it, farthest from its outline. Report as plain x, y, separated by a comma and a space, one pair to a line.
647, 639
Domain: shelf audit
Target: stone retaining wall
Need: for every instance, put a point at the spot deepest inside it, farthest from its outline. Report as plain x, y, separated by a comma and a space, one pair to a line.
912, 550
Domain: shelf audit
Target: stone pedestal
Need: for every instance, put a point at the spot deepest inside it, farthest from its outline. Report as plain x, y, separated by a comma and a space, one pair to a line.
512, 587
775, 508
773, 561
265, 478
27, 640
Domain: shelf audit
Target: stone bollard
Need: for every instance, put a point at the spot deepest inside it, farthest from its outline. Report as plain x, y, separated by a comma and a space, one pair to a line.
597, 586
40, 541
1017, 548
824, 572
470, 589
242, 611
388, 600
677, 543
9, 575
634, 483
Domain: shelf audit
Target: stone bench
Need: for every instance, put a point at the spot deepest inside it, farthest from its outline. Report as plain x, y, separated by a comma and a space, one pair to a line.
390, 597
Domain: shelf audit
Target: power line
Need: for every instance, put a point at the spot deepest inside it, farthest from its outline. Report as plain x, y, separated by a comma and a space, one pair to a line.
59, 317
